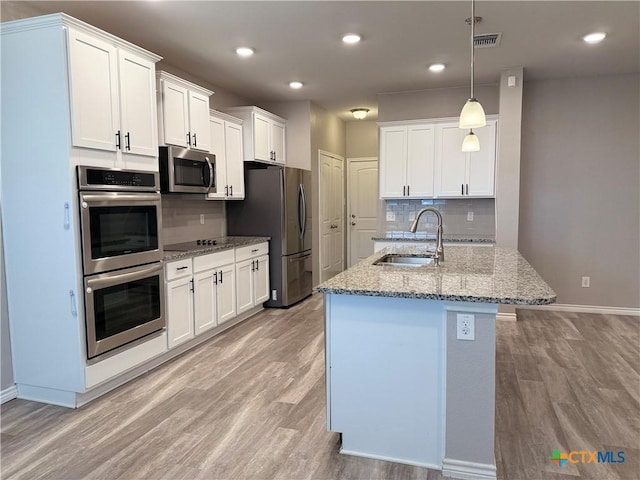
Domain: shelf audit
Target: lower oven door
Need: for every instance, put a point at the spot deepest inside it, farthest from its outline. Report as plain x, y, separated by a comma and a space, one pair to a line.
123, 306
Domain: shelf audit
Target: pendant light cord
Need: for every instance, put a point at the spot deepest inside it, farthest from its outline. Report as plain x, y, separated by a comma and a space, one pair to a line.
473, 24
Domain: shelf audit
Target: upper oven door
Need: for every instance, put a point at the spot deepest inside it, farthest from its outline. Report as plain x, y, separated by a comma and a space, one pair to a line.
119, 230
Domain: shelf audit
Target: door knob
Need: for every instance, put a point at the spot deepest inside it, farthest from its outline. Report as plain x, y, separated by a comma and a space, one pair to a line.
353, 215
353, 223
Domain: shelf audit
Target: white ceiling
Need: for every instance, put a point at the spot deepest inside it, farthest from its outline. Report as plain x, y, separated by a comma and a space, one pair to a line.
297, 40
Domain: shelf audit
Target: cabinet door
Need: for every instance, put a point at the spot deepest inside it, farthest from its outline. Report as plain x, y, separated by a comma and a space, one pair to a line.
261, 130
93, 78
261, 280
278, 142
204, 301
420, 160
235, 165
226, 293
450, 175
179, 311
482, 164
244, 286
137, 105
199, 121
393, 154
217, 132
175, 114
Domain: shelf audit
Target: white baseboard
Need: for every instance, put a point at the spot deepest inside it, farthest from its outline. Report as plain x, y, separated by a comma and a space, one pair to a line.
468, 470
506, 317
633, 312
8, 393
385, 458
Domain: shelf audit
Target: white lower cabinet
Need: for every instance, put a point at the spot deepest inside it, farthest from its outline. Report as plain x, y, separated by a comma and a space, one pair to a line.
179, 293
252, 276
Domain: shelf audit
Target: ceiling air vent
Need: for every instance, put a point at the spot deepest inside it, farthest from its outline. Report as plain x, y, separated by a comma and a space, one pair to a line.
487, 40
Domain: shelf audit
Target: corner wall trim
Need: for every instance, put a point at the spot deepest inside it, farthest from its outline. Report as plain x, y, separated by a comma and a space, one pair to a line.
560, 307
468, 470
8, 393
506, 317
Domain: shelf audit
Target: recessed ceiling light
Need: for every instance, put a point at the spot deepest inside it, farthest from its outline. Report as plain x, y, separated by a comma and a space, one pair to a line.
437, 67
351, 38
245, 51
595, 37
295, 85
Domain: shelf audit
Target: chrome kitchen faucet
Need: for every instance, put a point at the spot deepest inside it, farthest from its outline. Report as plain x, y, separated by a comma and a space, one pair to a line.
439, 247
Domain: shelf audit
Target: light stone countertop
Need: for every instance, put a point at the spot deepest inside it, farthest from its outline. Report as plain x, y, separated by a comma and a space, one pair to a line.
223, 243
401, 236
479, 274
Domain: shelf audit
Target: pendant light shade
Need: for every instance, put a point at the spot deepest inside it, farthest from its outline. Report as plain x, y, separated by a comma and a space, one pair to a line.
470, 142
472, 115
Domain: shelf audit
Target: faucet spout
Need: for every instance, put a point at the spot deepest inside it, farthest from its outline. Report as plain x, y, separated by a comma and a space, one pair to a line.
439, 247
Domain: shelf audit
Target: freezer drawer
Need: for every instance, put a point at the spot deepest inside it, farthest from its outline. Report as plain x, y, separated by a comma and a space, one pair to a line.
296, 279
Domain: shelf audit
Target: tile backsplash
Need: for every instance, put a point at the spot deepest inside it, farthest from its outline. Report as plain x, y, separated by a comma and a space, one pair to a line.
397, 215
181, 218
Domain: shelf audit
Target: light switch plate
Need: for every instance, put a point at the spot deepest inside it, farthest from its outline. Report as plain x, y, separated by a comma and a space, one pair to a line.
391, 217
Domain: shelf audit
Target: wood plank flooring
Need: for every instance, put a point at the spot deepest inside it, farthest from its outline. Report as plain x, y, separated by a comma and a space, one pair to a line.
250, 404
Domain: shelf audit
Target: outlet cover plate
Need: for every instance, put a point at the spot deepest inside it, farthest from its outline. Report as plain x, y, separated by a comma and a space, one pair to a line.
465, 326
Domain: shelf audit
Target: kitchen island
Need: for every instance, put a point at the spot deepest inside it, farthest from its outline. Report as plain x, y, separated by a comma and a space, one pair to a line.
401, 386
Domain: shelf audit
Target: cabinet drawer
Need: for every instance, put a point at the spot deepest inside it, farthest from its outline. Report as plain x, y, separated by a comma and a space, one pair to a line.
251, 251
177, 269
212, 260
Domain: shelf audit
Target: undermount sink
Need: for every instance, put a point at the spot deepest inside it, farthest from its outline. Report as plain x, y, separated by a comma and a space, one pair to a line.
398, 260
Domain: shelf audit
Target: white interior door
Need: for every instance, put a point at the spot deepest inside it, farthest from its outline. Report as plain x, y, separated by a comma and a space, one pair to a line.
331, 198
362, 206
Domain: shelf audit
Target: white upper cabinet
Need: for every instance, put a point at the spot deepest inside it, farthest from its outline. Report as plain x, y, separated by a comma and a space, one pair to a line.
226, 145
406, 161
264, 135
183, 109
112, 96
461, 174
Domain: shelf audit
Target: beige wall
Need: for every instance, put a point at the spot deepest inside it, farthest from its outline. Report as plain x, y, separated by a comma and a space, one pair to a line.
298, 116
362, 139
580, 178
434, 103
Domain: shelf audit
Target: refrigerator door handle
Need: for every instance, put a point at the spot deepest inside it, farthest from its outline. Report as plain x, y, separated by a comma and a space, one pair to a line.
303, 213
300, 212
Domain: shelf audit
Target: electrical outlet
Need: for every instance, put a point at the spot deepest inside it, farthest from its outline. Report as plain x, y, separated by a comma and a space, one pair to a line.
469, 216
202, 219
465, 326
391, 217
274, 295
586, 282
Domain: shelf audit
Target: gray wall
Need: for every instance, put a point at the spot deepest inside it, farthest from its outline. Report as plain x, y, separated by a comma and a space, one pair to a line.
181, 218
362, 139
579, 200
434, 103
298, 116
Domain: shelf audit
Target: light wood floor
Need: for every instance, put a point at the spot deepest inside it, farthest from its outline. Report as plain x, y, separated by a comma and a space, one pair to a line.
250, 404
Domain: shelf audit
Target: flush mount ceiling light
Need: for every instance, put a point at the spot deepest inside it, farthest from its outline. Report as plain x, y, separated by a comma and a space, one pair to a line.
359, 113
472, 115
595, 37
295, 84
351, 38
245, 51
436, 67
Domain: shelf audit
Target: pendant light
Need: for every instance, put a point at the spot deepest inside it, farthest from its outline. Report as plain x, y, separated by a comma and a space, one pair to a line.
472, 115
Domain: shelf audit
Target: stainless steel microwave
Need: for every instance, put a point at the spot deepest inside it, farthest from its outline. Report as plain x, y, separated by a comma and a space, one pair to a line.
183, 170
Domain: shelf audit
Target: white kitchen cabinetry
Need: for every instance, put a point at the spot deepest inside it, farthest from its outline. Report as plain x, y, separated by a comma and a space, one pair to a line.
459, 174
112, 95
183, 113
226, 145
214, 284
180, 288
252, 276
406, 161
264, 134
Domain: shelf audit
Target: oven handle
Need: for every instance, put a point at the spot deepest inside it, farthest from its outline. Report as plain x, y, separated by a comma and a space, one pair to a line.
116, 197
210, 174
115, 278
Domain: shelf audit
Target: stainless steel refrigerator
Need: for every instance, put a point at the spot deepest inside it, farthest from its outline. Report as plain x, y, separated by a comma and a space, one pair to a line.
277, 204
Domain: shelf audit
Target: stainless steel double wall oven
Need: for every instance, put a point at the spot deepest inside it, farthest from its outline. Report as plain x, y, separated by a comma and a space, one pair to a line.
120, 219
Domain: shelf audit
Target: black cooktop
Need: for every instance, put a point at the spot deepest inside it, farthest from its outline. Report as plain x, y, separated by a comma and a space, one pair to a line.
186, 246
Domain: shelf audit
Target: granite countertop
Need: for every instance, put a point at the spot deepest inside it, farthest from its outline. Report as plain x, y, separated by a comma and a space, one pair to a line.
400, 236
222, 243
480, 274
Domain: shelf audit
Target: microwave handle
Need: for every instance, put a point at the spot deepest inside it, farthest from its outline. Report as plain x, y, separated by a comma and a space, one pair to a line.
210, 174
